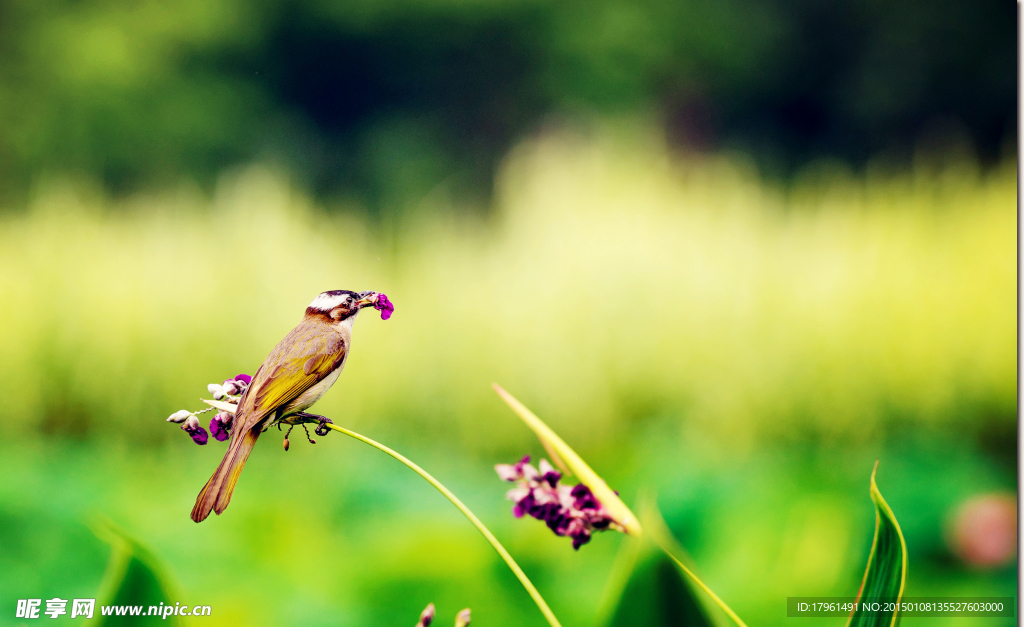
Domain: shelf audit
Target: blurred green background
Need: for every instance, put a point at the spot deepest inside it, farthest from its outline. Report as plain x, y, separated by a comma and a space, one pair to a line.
732, 253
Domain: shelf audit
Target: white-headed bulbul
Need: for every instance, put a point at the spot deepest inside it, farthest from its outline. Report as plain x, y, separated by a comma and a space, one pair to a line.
294, 376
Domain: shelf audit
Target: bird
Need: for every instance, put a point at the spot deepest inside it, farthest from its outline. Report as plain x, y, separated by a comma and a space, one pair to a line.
300, 369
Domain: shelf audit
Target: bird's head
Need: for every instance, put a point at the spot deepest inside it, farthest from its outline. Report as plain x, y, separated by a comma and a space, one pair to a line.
339, 305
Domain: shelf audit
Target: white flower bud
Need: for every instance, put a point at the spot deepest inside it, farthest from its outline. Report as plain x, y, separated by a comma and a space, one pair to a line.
179, 416
217, 390
230, 388
191, 423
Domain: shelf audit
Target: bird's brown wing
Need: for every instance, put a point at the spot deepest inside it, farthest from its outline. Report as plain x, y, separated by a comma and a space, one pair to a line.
309, 353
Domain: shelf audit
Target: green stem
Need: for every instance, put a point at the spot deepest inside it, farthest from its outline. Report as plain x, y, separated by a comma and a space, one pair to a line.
539, 600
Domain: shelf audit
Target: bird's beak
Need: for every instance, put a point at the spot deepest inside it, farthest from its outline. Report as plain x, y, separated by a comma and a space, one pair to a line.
369, 298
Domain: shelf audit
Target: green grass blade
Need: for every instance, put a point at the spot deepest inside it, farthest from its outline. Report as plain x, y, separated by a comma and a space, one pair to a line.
134, 577
886, 573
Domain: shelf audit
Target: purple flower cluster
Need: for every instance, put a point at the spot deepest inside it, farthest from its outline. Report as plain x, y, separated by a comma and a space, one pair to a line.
568, 510
230, 387
384, 306
192, 428
220, 426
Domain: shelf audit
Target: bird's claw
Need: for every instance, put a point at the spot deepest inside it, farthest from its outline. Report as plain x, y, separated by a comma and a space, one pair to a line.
321, 429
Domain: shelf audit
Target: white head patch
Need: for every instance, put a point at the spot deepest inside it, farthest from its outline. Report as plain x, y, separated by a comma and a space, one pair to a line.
328, 301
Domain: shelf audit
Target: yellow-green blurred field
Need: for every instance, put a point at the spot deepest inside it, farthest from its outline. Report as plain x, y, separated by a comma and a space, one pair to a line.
745, 349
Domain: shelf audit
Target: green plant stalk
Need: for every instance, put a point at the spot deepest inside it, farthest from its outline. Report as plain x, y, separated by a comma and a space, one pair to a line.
513, 566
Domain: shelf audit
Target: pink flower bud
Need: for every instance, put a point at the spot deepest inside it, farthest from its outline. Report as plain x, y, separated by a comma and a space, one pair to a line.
426, 617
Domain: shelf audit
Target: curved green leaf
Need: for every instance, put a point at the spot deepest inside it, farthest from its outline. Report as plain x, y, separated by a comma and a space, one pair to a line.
134, 577
886, 573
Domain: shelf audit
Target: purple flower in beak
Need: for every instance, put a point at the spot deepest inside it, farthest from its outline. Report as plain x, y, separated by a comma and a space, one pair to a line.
191, 427
220, 424
384, 306
567, 510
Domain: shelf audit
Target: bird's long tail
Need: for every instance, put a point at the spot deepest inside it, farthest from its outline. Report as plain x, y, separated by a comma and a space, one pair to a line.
216, 494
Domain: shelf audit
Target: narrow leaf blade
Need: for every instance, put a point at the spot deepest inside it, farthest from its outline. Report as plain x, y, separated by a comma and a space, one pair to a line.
221, 405
134, 578
886, 574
